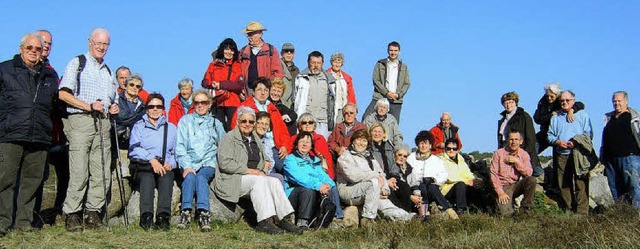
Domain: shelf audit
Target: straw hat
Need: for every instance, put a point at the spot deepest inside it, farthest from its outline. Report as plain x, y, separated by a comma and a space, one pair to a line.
253, 26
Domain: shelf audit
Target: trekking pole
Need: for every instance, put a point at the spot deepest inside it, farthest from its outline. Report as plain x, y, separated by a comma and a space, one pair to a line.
104, 175
119, 173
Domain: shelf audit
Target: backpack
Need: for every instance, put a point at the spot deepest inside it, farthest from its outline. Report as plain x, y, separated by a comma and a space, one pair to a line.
61, 108
325, 213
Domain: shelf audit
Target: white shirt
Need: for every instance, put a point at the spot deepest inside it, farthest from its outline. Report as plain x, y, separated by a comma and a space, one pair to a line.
392, 75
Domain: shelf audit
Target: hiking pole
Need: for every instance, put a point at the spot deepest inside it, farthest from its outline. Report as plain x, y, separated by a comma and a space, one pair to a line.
104, 175
119, 173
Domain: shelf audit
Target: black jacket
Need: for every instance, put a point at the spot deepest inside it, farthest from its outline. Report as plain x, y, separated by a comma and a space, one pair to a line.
521, 122
26, 101
126, 118
545, 110
285, 110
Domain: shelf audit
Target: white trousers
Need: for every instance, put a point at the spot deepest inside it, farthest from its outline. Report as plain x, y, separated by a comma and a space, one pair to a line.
267, 195
368, 193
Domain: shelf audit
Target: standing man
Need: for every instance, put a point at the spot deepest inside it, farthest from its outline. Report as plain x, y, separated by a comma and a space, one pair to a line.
27, 91
442, 132
315, 94
391, 81
121, 76
565, 138
290, 71
620, 150
258, 58
90, 94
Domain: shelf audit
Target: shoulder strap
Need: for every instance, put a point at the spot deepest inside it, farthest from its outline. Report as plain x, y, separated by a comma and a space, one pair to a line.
164, 141
230, 69
82, 62
270, 50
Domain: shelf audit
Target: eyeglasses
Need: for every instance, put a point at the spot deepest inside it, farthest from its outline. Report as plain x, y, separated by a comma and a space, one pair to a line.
307, 122
100, 44
451, 148
151, 107
349, 113
136, 86
566, 100
402, 155
206, 102
244, 121
30, 47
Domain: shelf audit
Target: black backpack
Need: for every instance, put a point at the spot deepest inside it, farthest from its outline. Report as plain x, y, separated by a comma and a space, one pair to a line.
61, 107
325, 214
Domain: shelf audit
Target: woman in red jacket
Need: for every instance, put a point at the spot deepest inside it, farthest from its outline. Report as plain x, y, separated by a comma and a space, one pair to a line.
224, 80
181, 104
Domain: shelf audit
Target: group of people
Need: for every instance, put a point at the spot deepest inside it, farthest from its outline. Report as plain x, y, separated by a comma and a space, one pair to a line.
285, 139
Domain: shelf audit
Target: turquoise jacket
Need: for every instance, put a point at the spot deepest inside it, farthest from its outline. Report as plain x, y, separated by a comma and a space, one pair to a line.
198, 139
308, 173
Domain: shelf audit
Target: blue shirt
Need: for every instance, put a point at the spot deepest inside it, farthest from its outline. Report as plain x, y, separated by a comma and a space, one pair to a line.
146, 140
198, 139
561, 129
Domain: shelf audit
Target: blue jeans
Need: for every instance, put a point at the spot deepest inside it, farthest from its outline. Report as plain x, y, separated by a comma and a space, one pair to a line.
198, 185
622, 175
279, 162
335, 197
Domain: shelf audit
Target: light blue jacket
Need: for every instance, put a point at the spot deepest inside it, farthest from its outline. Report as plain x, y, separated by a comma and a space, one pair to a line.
304, 173
146, 140
198, 139
561, 129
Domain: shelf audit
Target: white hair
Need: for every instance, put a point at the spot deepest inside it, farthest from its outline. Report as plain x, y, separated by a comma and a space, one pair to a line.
96, 31
554, 87
382, 101
245, 110
26, 36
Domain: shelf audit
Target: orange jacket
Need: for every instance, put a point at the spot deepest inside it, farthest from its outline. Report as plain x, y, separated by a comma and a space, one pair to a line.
351, 93
227, 74
321, 147
280, 131
176, 110
268, 61
438, 137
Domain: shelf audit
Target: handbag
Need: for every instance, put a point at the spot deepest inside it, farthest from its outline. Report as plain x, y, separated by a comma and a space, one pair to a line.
221, 95
138, 165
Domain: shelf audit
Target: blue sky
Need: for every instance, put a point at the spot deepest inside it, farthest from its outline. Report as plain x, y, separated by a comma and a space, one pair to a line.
462, 55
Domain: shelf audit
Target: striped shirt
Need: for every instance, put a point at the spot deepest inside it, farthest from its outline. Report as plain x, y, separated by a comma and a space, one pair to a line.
95, 83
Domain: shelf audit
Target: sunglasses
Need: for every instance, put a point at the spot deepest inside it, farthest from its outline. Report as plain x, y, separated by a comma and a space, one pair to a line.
451, 148
566, 100
134, 85
349, 113
402, 155
30, 47
244, 121
307, 122
206, 102
151, 107
288, 51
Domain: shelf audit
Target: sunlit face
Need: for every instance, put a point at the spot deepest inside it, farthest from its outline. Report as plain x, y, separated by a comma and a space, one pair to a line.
255, 38
336, 65
445, 120
382, 110
620, 103
401, 156
262, 126
566, 101
186, 91
509, 105
261, 93
31, 50
202, 104
394, 52
315, 64
287, 55
307, 125
276, 92
133, 88
515, 140
246, 122
155, 109
121, 77
551, 97
228, 53
48, 42
424, 147
349, 113
304, 145
98, 45
377, 134
451, 149
360, 144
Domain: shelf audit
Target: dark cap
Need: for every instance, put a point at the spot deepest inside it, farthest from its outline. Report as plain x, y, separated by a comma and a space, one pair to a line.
287, 46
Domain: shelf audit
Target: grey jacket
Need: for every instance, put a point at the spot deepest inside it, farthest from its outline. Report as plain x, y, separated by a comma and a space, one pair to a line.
635, 122
232, 164
353, 168
584, 156
302, 92
380, 77
394, 135
288, 97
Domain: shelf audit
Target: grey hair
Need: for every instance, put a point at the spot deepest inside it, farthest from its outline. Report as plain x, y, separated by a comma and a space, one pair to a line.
554, 87
123, 68
573, 95
245, 110
32, 34
185, 82
624, 93
305, 116
349, 104
200, 91
95, 31
43, 31
402, 146
382, 101
132, 77
445, 113
337, 55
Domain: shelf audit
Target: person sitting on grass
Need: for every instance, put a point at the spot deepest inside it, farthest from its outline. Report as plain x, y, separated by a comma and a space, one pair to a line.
262, 127
459, 179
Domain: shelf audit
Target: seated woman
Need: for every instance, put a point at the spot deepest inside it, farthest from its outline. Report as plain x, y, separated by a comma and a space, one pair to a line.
289, 116
398, 179
459, 176
381, 148
428, 174
131, 108
306, 122
262, 127
241, 173
305, 181
361, 181
199, 136
146, 145
389, 121
181, 104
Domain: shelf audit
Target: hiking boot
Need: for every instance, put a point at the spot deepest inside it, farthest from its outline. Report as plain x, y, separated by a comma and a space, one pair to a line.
93, 220
366, 222
146, 221
204, 221
286, 225
162, 221
185, 219
73, 222
267, 226
451, 213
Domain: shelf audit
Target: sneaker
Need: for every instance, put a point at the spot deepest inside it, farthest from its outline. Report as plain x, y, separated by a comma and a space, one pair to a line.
185, 219
162, 221
73, 222
286, 225
451, 213
93, 220
204, 221
267, 226
146, 221
302, 223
